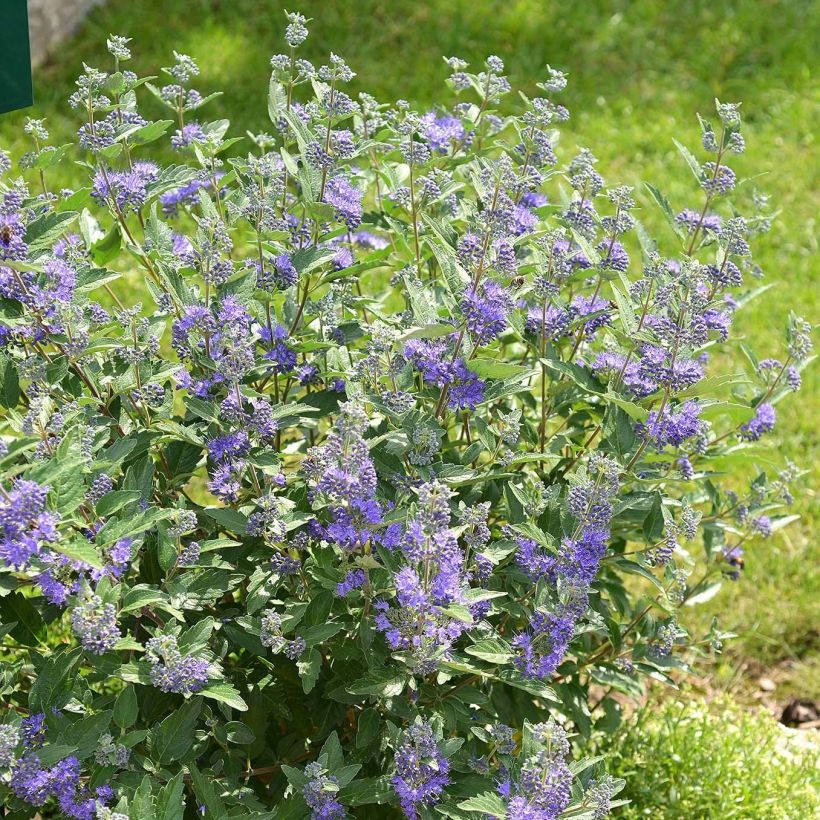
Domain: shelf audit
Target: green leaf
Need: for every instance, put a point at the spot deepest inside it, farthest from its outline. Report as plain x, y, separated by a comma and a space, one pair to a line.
126, 709
319, 608
174, 737
225, 693
150, 132
368, 728
116, 529
309, 667
52, 753
9, 383
321, 632
106, 249
277, 99
427, 332
228, 519
332, 750
666, 208
384, 682
653, 523
691, 160
142, 804
488, 803
422, 302
84, 734
169, 803
28, 624
706, 594
492, 650
619, 430
206, 794
494, 369
115, 500
79, 549
45, 230
367, 791
239, 733
55, 681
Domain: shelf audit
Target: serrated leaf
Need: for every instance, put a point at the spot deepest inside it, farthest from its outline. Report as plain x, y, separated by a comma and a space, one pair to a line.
367, 791
169, 802
45, 230
488, 803
492, 650
384, 682
115, 500
206, 794
174, 737
55, 681
225, 693
494, 369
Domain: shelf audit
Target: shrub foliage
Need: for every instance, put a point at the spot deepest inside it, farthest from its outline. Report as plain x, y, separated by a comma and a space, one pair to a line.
417, 437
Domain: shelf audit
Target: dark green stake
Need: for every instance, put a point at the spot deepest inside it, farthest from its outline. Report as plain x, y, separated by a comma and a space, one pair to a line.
15, 57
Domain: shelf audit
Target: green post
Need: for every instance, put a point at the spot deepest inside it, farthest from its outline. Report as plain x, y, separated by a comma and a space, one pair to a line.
15, 57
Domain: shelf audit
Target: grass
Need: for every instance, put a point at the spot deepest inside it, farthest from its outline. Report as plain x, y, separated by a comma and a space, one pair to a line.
713, 760
639, 70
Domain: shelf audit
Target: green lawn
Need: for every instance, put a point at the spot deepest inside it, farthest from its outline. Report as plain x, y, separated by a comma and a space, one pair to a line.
639, 70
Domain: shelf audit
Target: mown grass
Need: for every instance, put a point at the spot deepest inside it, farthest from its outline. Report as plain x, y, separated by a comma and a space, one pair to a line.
713, 760
639, 70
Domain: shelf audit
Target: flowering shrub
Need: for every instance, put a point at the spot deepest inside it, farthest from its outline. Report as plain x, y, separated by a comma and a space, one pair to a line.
416, 438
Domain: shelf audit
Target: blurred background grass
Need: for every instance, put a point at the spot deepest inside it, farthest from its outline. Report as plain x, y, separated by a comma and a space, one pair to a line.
639, 70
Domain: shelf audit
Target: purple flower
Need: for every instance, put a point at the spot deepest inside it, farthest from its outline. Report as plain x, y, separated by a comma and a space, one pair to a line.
467, 390
430, 359
229, 447
341, 469
544, 786
185, 195
170, 670
673, 425
33, 731
24, 523
442, 132
9, 738
320, 794
346, 200
343, 258
279, 272
189, 555
534, 560
554, 319
366, 239
542, 647
422, 772
197, 321
101, 485
763, 422
12, 231
308, 374
35, 784
355, 579
613, 364
762, 525
691, 219
485, 311
613, 255
125, 190
187, 135
582, 307
95, 624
